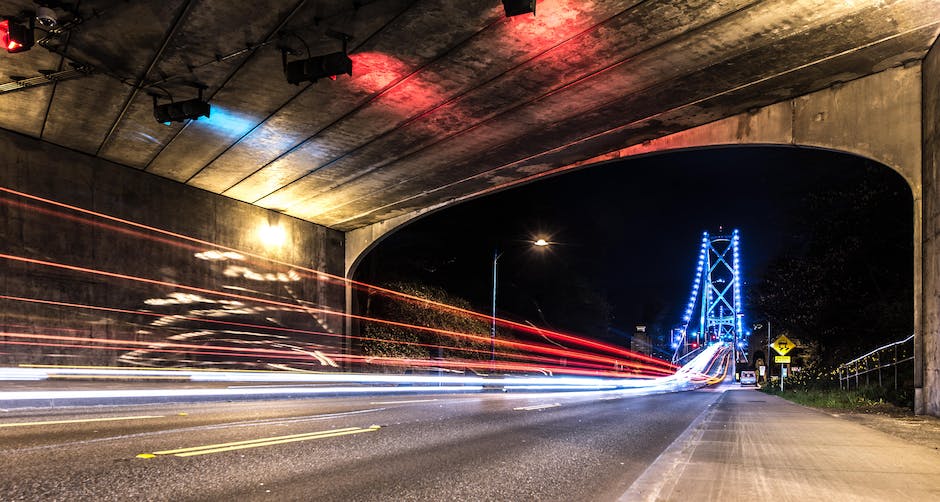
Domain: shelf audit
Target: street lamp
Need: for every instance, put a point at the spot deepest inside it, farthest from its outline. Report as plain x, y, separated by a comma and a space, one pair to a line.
540, 243
767, 364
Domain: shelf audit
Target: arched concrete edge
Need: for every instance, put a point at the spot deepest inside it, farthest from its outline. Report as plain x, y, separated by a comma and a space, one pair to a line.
877, 117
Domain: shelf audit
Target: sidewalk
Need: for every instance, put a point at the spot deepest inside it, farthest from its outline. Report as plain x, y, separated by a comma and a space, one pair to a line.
757, 447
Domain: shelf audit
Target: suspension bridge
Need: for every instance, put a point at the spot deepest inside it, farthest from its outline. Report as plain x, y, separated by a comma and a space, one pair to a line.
715, 311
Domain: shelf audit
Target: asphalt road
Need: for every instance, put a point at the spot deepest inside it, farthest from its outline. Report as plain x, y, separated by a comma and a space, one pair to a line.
490, 446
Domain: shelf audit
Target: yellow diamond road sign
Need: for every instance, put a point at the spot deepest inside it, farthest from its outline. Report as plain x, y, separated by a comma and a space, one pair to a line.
783, 345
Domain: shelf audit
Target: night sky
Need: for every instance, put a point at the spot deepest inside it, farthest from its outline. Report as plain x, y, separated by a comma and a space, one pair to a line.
628, 231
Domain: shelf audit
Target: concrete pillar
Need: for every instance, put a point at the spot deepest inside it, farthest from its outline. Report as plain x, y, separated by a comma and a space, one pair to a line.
928, 400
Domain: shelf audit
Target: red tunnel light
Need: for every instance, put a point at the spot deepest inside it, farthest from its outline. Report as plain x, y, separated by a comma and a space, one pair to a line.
15, 37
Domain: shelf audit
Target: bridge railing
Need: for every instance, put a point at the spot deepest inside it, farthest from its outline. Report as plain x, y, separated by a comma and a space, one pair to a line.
680, 360
860, 370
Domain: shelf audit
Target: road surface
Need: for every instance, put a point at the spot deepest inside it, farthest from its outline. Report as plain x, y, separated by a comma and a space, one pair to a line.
481, 446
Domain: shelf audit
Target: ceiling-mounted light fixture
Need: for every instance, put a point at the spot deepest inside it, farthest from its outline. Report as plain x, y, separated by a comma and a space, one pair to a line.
517, 7
46, 17
179, 111
16, 36
317, 67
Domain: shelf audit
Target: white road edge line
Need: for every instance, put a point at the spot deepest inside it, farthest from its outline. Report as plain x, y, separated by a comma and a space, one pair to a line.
249, 423
537, 407
404, 402
664, 472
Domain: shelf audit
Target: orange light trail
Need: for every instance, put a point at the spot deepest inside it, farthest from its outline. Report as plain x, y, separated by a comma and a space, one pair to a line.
319, 274
154, 345
172, 348
499, 365
296, 355
506, 343
575, 357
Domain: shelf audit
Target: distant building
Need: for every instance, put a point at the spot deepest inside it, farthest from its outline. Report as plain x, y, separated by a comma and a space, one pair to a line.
640, 341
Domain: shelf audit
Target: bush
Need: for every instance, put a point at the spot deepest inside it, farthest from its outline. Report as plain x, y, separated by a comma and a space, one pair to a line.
817, 385
387, 340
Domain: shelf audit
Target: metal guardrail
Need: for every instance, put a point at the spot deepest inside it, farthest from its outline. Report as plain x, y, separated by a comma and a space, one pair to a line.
688, 356
881, 358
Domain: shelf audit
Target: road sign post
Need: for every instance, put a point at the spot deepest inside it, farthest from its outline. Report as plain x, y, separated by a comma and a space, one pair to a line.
782, 345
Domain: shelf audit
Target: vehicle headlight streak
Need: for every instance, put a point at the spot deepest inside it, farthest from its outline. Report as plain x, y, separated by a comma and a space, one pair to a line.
281, 382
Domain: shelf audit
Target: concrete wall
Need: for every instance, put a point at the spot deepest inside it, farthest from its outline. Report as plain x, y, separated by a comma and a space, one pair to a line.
137, 287
930, 343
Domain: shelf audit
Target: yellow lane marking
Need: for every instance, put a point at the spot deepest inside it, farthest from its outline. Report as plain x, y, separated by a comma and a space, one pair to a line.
254, 443
250, 441
537, 407
53, 422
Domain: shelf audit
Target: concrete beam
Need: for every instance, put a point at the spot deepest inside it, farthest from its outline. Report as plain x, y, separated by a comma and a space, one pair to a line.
877, 117
928, 344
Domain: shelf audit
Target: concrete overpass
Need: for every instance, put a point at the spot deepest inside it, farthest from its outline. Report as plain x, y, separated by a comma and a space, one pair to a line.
448, 100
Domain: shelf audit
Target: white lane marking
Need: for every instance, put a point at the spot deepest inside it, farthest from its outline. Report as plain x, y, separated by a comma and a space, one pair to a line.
537, 407
246, 423
662, 475
79, 420
403, 402
610, 398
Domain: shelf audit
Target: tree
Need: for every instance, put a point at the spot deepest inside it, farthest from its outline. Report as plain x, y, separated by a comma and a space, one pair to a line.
387, 340
846, 283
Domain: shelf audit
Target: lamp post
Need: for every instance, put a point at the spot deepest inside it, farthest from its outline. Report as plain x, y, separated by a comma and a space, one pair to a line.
768, 367
540, 243
496, 255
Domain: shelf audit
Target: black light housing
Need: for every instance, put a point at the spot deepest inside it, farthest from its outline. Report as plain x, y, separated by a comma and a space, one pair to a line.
317, 67
16, 36
179, 111
518, 7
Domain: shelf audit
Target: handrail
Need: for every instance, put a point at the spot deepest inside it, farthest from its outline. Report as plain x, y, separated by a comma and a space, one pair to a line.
853, 361
852, 369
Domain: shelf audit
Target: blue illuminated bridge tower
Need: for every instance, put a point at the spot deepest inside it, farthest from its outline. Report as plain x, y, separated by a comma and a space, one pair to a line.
716, 291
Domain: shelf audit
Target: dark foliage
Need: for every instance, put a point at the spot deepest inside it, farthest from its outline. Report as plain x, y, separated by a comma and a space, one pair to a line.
847, 283
384, 340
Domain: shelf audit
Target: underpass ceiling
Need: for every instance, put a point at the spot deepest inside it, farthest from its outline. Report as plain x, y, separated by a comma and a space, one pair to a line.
448, 98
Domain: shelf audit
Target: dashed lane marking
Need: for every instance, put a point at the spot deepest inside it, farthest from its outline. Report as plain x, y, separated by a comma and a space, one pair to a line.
537, 407
404, 402
80, 420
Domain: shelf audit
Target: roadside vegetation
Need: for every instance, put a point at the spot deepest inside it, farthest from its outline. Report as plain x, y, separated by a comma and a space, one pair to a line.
386, 340
864, 400
819, 387
845, 288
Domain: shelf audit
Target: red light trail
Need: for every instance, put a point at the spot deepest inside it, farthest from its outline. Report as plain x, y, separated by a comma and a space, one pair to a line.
574, 356
506, 343
362, 286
